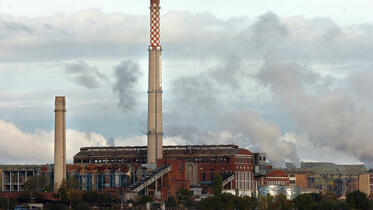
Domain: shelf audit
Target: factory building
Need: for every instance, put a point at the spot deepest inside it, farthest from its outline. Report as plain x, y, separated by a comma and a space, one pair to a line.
366, 183
188, 167
343, 186
13, 179
191, 167
155, 170
261, 165
275, 177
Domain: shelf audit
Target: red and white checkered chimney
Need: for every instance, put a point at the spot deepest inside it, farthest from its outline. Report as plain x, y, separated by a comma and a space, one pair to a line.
155, 23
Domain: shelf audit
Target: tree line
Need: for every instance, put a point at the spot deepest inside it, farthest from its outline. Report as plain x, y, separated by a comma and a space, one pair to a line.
69, 196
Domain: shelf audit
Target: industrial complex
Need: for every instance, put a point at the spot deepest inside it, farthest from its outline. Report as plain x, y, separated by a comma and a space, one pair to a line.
160, 171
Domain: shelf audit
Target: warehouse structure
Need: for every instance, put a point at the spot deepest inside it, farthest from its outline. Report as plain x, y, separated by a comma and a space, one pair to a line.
191, 166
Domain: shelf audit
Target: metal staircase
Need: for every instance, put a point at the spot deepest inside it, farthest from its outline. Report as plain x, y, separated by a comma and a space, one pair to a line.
149, 179
228, 180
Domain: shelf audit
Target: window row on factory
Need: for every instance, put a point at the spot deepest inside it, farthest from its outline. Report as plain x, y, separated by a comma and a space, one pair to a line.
143, 160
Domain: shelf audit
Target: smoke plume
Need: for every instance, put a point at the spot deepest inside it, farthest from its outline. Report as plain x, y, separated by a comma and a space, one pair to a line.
330, 117
324, 116
206, 95
127, 74
84, 75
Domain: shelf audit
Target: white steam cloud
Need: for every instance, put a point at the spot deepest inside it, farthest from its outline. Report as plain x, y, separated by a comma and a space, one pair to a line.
17, 146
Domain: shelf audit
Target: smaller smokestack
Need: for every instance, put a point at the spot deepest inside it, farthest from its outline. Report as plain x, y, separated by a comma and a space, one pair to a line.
59, 142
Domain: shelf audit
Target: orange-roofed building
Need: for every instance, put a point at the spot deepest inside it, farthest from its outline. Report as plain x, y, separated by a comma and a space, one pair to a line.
275, 177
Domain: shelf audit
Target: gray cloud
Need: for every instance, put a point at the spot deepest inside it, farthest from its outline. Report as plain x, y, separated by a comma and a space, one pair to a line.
126, 73
267, 33
195, 89
209, 86
12, 28
361, 84
84, 75
186, 35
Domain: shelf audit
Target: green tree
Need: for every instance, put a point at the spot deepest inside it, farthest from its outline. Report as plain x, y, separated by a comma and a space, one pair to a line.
210, 203
106, 199
171, 202
184, 195
145, 199
33, 186
229, 201
37, 184
80, 205
24, 197
62, 195
71, 183
56, 206
357, 200
266, 202
305, 202
282, 203
3, 203
90, 196
327, 205
218, 184
251, 202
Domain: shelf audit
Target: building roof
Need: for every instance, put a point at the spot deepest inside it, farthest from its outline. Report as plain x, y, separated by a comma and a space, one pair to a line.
168, 151
276, 173
331, 168
16, 167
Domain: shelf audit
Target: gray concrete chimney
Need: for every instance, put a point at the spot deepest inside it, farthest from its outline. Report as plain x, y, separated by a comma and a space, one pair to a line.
59, 142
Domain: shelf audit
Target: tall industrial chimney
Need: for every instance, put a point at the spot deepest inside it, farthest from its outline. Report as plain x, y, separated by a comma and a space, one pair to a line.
59, 142
155, 130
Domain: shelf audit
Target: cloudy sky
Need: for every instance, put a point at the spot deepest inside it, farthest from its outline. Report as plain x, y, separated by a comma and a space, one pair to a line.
291, 78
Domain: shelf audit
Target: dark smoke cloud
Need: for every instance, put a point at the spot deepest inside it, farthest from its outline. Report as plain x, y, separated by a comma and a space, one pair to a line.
84, 75
127, 74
